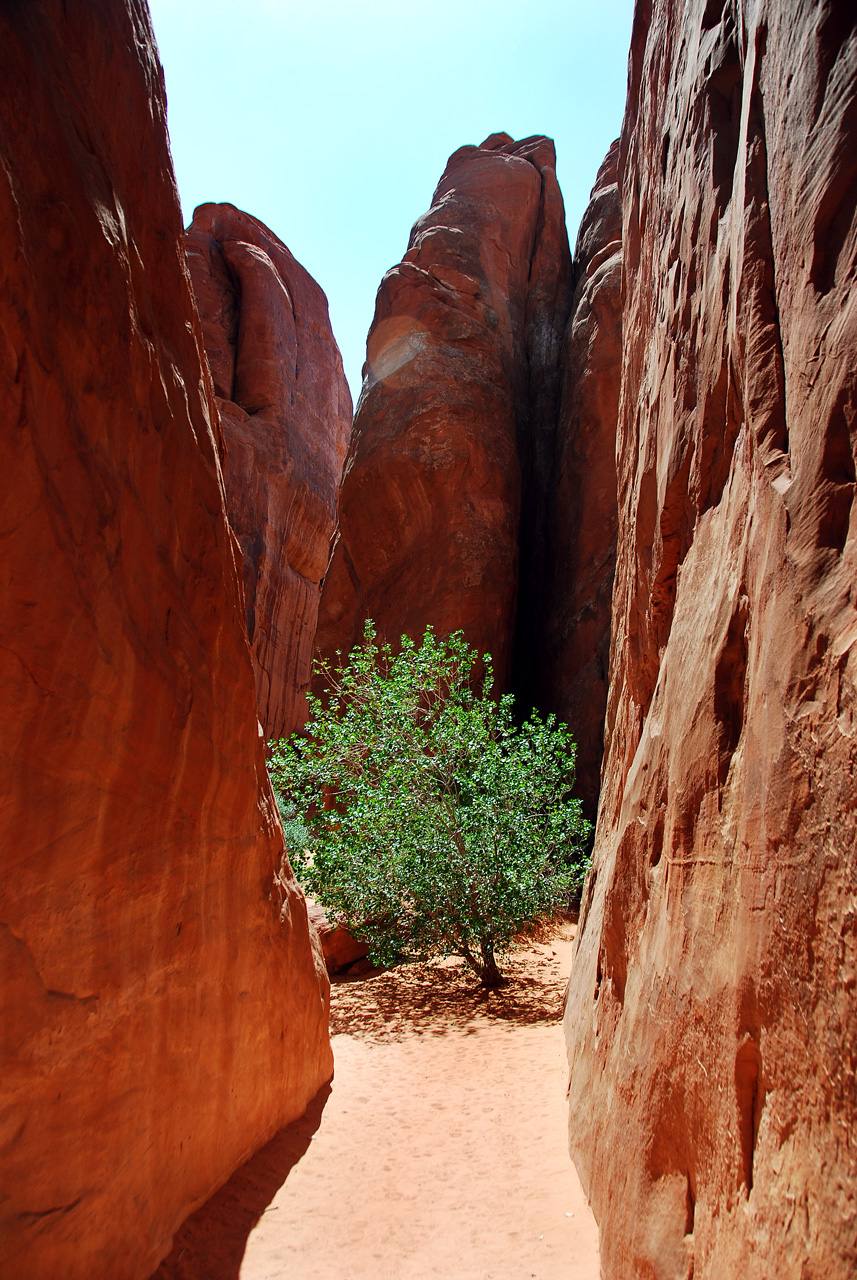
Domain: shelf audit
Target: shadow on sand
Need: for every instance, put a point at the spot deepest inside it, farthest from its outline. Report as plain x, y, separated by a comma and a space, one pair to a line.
429, 999
434, 998
210, 1244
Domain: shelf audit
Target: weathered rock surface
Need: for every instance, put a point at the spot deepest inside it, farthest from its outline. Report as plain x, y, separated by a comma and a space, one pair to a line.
711, 1019
338, 947
580, 549
286, 414
161, 1015
458, 411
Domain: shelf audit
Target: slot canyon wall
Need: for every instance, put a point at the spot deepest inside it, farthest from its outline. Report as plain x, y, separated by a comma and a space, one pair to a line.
458, 412
490, 389
285, 411
570, 657
163, 1002
711, 1019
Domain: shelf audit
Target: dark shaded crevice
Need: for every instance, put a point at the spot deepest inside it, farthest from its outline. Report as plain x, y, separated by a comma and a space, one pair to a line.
613, 954
234, 315
567, 665
689, 1209
660, 555
252, 554
546, 316
722, 97
750, 1096
837, 482
675, 528
639, 36
729, 681
716, 441
665, 155
689, 1220
586, 901
713, 14
656, 839
31, 1218
834, 221
834, 217
836, 25
230, 290
767, 397
722, 419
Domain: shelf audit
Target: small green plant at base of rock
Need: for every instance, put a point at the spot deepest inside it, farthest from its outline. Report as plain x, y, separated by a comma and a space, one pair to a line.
419, 814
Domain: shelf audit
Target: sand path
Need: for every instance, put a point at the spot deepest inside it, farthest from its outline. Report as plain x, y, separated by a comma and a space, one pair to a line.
440, 1150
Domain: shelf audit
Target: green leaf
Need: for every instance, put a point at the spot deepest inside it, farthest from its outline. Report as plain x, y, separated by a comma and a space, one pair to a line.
417, 811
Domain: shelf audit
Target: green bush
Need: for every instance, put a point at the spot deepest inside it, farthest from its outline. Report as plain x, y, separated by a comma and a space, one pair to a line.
434, 825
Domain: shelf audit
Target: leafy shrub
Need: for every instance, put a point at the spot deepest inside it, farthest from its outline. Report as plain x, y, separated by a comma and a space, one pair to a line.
434, 825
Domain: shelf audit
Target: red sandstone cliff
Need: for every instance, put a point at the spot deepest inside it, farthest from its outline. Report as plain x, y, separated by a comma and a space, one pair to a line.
285, 408
580, 551
161, 1014
711, 1019
458, 411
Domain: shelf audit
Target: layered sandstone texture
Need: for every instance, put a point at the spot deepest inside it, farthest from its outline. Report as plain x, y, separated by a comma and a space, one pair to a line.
163, 1009
580, 545
711, 1020
457, 415
285, 409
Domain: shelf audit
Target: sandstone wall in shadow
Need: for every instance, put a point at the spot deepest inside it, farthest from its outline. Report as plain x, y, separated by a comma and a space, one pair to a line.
163, 1008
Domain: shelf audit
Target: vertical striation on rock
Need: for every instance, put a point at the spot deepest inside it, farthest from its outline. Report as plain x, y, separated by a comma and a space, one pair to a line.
285, 409
711, 1019
163, 1006
580, 552
457, 411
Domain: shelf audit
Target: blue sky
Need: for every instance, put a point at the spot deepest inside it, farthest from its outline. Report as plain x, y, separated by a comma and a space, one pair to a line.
331, 120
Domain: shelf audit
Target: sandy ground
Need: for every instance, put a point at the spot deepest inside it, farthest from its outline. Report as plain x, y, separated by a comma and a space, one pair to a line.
439, 1151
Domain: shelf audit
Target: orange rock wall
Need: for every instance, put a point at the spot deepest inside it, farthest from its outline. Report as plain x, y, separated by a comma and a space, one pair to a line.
711, 1020
285, 408
574, 616
460, 387
163, 1006
480, 485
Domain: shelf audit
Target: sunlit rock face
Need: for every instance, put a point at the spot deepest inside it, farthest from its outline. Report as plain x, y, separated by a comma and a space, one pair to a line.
711, 1019
163, 1009
442, 505
480, 486
580, 550
285, 408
